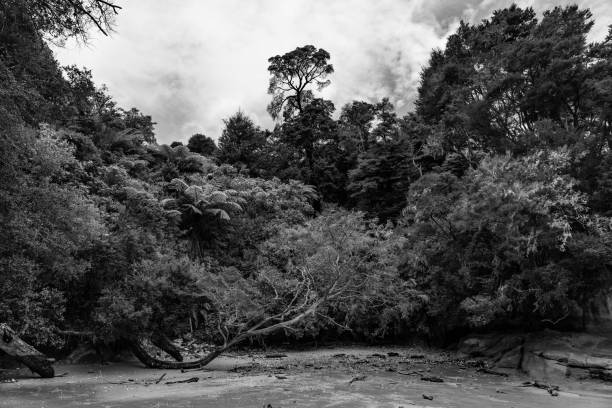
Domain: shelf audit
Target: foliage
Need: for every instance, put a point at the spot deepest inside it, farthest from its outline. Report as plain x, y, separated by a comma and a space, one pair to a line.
507, 242
242, 143
496, 83
202, 144
489, 206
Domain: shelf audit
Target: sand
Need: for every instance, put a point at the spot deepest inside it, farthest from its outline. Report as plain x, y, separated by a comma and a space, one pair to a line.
331, 377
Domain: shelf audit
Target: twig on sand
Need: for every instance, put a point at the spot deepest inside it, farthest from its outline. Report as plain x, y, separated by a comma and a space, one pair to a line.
189, 380
160, 378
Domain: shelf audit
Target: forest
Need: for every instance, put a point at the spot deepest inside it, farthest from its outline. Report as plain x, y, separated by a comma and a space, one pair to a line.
487, 207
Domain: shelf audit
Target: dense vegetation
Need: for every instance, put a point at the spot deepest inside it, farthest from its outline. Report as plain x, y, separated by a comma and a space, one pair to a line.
489, 206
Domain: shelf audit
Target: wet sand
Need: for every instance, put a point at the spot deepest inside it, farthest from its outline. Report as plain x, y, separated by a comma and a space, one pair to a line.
339, 377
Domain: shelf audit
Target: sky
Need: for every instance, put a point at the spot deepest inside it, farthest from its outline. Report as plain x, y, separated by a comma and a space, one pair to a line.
192, 63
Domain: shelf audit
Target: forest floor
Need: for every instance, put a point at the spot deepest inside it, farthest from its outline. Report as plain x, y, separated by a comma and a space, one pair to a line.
329, 377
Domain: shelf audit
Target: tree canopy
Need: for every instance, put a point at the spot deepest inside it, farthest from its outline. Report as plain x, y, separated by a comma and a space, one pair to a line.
488, 206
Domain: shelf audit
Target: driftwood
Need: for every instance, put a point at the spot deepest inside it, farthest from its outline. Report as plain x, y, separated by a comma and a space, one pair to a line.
165, 344
15, 347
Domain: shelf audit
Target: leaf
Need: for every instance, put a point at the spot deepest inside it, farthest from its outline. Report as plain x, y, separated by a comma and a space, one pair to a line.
178, 185
219, 213
194, 209
168, 202
218, 197
194, 192
173, 213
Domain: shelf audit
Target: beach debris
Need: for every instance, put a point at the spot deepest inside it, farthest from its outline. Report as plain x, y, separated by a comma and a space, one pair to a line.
492, 372
189, 380
276, 355
553, 390
393, 354
358, 378
428, 397
432, 379
415, 372
160, 378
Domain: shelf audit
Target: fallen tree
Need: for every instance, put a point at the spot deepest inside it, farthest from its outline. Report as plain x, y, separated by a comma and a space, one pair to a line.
272, 299
303, 275
14, 346
291, 316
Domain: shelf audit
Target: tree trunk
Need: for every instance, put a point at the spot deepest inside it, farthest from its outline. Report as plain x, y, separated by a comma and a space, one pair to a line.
15, 347
164, 343
147, 359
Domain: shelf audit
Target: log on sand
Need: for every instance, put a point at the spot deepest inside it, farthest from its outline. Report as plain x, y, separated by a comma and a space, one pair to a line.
15, 347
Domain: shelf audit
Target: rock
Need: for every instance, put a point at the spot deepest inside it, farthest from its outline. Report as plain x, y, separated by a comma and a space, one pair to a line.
541, 368
492, 346
605, 375
510, 359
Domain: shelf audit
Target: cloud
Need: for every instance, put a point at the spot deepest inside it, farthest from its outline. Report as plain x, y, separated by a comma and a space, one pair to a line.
190, 64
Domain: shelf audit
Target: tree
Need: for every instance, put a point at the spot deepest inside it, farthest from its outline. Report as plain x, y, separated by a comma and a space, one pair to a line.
356, 121
292, 74
241, 143
322, 274
378, 181
200, 208
508, 243
69, 18
497, 84
202, 144
134, 119
312, 127
47, 225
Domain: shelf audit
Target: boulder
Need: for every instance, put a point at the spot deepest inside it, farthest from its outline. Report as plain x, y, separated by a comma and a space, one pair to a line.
545, 356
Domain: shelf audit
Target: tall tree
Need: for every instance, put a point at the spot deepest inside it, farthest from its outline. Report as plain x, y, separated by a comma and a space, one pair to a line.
292, 75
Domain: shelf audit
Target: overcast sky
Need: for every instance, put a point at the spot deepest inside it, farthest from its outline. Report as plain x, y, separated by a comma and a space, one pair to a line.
192, 63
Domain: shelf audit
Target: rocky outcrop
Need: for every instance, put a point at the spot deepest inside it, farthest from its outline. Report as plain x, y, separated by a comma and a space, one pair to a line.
545, 356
